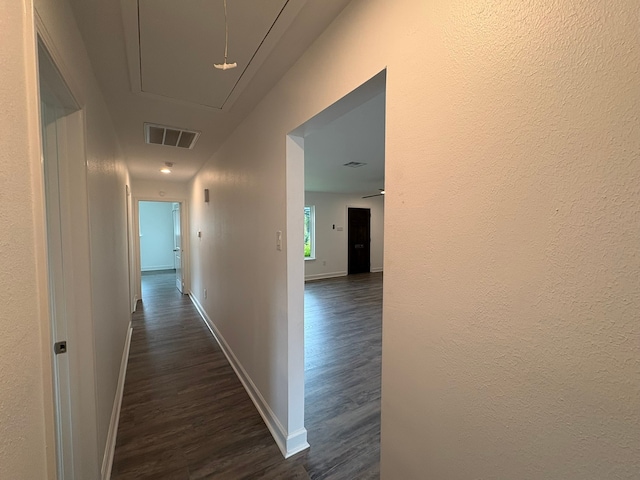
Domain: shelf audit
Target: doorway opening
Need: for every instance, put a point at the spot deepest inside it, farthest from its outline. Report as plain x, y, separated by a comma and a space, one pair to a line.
161, 244
336, 163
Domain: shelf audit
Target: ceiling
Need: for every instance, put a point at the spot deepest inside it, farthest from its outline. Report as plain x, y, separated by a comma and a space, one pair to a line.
356, 136
175, 45
157, 67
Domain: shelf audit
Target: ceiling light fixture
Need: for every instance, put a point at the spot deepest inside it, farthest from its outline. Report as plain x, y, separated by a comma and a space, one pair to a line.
167, 168
376, 194
225, 65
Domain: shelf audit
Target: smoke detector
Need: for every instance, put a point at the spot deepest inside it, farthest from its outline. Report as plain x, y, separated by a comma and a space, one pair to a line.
170, 136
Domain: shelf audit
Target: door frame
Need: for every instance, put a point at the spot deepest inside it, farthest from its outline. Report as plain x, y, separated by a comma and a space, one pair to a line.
173, 218
184, 227
74, 430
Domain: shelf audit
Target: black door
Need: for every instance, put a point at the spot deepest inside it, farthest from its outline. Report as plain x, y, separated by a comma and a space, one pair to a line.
359, 240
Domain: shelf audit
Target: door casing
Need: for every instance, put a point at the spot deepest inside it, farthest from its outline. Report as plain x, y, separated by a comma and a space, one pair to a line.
68, 266
184, 229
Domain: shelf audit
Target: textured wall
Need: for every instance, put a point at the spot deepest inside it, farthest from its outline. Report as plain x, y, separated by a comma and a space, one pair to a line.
512, 335
511, 329
22, 408
159, 190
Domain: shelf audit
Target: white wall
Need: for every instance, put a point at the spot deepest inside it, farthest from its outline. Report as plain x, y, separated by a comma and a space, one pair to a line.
160, 190
331, 244
156, 235
26, 426
26, 413
511, 298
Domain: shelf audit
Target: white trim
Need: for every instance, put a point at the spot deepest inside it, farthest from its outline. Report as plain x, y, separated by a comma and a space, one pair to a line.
376, 270
289, 444
110, 447
322, 276
158, 267
135, 303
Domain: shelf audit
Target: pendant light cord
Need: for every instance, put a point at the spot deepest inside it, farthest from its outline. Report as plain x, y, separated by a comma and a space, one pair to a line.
226, 31
225, 65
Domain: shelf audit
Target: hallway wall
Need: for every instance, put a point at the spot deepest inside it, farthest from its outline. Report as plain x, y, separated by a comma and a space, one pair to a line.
27, 445
511, 250
159, 190
26, 414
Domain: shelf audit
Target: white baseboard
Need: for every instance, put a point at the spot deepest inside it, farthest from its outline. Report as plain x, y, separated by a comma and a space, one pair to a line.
322, 276
376, 270
289, 444
110, 447
158, 267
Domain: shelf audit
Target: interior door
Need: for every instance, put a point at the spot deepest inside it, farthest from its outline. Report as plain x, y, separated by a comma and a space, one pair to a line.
359, 237
177, 247
50, 112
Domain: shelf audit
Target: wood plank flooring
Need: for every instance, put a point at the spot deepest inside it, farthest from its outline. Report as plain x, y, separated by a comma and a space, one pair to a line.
343, 346
185, 415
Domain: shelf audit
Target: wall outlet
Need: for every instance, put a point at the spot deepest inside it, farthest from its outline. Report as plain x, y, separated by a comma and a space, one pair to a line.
205, 293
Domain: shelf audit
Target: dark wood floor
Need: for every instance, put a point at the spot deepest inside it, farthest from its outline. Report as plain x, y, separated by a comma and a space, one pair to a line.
343, 346
185, 415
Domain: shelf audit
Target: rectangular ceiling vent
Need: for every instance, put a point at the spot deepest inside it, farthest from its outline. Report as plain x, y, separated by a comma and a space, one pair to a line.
354, 164
170, 136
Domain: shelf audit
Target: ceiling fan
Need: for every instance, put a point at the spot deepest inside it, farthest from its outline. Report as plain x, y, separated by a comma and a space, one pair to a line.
375, 194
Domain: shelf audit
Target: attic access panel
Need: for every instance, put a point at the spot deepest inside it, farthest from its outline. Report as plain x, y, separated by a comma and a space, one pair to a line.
180, 42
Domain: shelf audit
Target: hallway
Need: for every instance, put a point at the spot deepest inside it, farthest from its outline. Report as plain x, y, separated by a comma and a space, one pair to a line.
185, 415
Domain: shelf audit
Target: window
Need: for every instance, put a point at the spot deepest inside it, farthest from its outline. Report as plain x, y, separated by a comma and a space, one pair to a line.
309, 233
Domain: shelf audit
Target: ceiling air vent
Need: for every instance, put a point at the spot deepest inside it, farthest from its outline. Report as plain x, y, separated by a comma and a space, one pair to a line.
354, 164
170, 136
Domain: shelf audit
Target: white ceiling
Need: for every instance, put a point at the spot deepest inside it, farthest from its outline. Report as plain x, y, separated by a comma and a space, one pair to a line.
356, 136
154, 62
177, 43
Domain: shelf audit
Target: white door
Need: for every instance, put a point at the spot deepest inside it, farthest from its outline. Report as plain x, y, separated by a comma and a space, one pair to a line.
177, 247
68, 269
57, 295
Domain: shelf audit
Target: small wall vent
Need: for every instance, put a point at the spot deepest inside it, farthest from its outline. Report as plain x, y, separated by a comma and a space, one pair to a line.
170, 136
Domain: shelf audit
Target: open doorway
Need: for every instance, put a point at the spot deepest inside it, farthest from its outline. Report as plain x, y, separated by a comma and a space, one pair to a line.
342, 151
160, 239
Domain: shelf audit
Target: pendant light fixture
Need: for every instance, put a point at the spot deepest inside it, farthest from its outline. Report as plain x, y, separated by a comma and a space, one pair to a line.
225, 65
